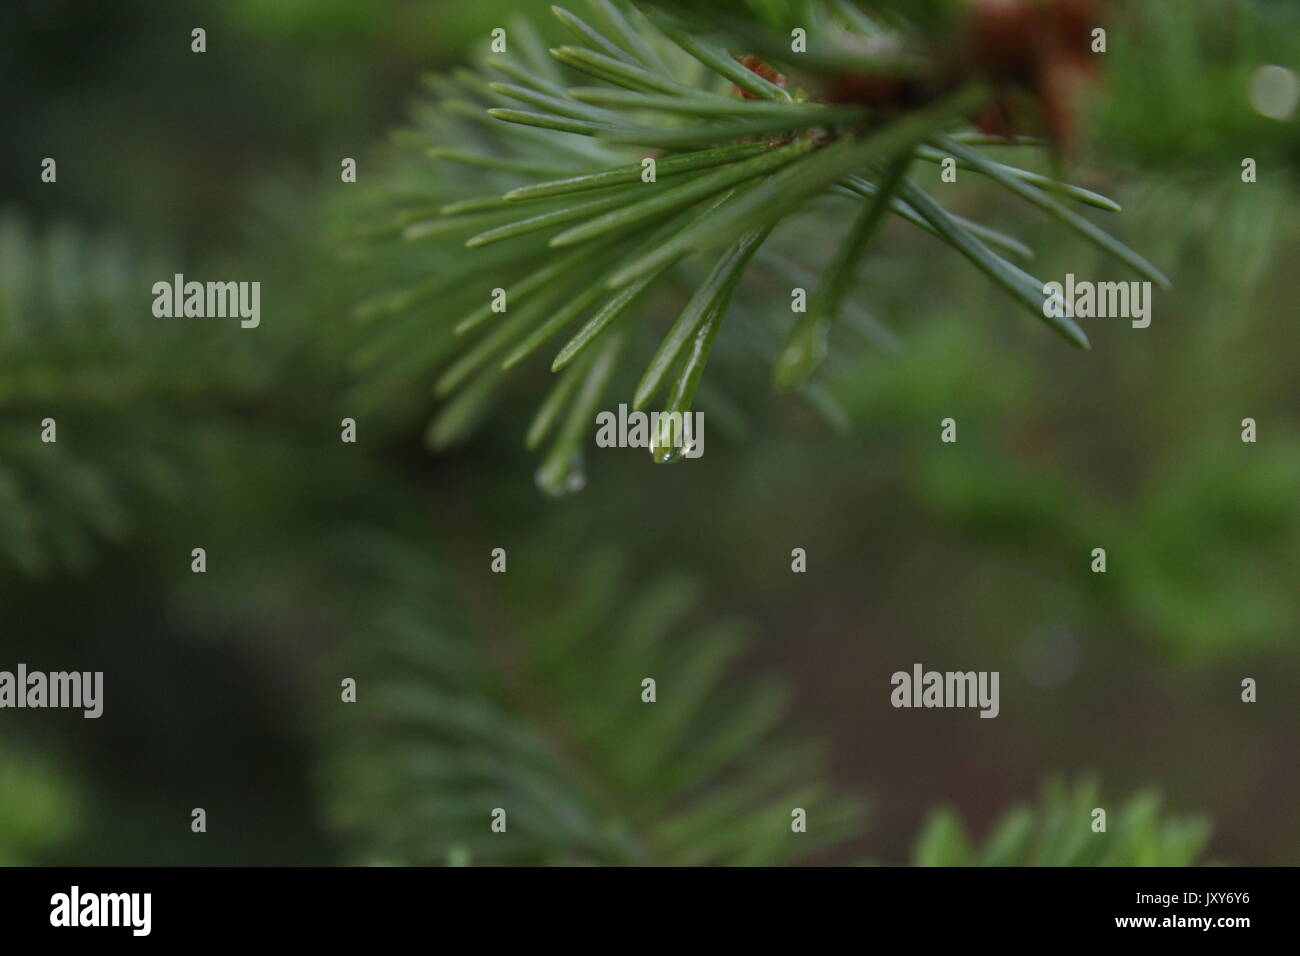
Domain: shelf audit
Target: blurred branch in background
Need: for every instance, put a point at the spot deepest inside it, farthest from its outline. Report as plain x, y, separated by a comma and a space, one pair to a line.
100, 397
39, 806
537, 705
1049, 834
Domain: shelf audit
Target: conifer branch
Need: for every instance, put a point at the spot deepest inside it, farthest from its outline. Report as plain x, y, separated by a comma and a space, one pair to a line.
602, 195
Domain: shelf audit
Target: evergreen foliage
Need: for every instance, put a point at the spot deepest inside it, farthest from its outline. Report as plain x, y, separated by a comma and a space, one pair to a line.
78, 345
552, 146
526, 174
1052, 834
560, 737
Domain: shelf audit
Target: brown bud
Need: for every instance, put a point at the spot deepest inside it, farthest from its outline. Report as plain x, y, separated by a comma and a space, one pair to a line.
755, 65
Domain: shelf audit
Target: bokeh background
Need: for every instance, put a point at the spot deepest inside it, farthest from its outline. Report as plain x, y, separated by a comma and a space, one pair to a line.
222, 689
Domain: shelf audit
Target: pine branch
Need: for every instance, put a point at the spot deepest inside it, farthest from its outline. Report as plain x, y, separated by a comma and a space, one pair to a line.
75, 352
554, 164
544, 718
1060, 832
142, 411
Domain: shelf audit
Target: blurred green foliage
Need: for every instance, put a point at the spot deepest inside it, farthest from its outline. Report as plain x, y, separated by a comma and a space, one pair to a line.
1053, 833
540, 711
81, 351
171, 435
1185, 70
38, 807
